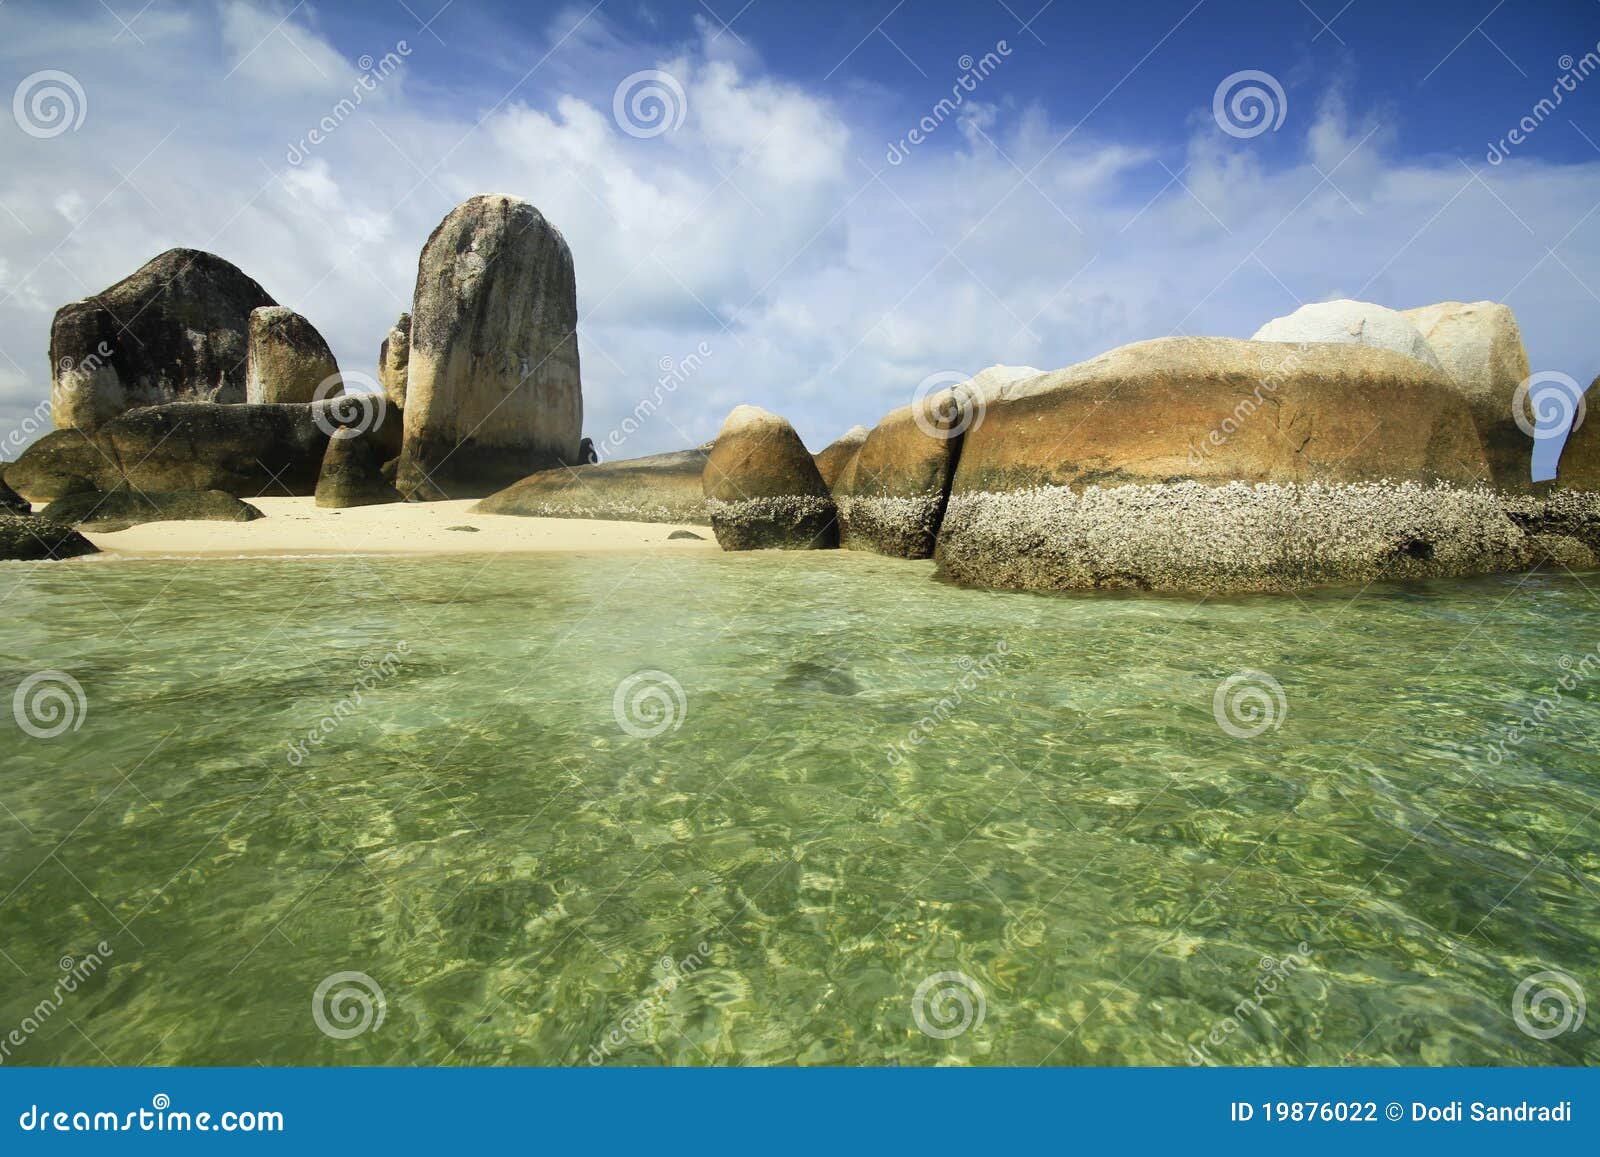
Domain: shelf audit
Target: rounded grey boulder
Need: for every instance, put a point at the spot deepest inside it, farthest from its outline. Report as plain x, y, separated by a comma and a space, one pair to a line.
288, 359
352, 471
492, 387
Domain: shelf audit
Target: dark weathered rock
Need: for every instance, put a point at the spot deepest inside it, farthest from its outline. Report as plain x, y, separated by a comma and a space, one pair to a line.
288, 359
1208, 464
393, 357
177, 329
352, 471
762, 487
659, 488
11, 502
686, 534
28, 537
834, 457
492, 387
587, 454
118, 509
243, 450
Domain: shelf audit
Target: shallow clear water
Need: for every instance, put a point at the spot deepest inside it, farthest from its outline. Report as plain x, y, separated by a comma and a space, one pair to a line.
1075, 834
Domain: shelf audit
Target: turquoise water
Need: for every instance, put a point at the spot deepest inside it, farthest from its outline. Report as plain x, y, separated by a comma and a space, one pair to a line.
1109, 871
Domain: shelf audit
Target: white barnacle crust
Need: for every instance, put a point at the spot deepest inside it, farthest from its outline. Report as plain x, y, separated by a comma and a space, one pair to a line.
1187, 536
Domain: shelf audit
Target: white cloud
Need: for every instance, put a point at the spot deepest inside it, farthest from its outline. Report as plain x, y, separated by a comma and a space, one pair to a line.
826, 282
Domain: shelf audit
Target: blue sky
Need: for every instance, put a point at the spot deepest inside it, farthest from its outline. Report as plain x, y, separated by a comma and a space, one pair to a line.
1083, 195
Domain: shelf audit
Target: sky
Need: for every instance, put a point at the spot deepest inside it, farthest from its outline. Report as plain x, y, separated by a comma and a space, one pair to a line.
767, 202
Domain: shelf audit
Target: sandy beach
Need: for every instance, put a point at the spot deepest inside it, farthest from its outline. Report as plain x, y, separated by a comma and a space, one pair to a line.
295, 526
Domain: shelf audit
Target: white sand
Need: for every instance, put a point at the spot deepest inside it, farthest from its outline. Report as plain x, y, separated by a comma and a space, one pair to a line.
299, 526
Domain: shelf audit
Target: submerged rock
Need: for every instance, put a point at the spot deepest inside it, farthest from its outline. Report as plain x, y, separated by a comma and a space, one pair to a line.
492, 388
1208, 464
123, 508
762, 488
29, 537
352, 471
288, 359
658, 488
176, 329
244, 450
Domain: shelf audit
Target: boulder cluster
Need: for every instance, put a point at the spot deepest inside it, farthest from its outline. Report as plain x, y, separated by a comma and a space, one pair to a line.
186, 383
1345, 442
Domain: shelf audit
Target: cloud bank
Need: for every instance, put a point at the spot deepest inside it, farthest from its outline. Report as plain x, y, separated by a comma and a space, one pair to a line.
760, 227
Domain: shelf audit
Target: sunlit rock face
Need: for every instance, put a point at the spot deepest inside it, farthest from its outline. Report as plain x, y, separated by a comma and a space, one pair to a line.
492, 389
